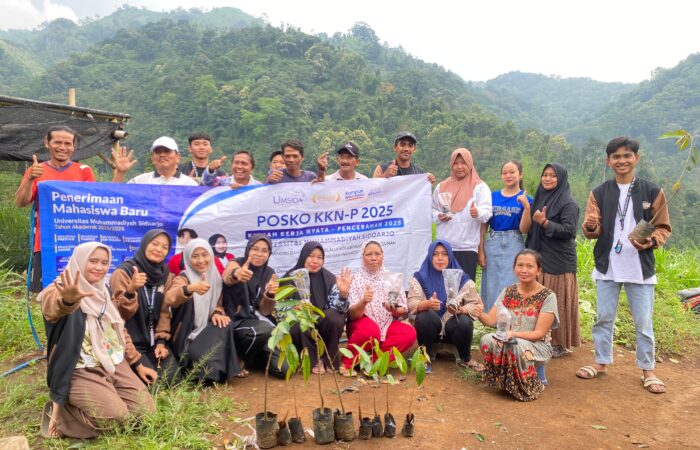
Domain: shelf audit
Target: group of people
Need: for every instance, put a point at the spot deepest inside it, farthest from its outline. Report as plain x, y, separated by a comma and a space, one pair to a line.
208, 314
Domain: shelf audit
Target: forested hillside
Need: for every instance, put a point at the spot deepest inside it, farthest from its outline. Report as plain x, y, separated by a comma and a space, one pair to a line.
553, 104
251, 87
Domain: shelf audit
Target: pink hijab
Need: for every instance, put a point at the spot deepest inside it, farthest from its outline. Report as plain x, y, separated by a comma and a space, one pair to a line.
461, 190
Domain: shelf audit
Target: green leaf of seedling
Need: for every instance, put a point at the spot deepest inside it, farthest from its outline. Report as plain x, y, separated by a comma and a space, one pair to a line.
292, 357
673, 134
384, 366
375, 367
284, 292
399, 359
305, 365
420, 372
390, 379
316, 310
280, 360
287, 279
480, 437
364, 356
414, 358
345, 352
599, 427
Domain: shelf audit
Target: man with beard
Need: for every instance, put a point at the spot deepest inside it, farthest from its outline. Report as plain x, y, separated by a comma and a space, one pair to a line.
404, 147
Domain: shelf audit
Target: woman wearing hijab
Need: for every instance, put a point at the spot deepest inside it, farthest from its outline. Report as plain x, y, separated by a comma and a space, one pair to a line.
202, 334
553, 234
89, 352
138, 288
461, 203
427, 300
219, 246
370, 316
329, 294
249, 300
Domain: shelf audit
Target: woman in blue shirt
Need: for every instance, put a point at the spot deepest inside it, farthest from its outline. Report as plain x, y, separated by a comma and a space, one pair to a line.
511, 219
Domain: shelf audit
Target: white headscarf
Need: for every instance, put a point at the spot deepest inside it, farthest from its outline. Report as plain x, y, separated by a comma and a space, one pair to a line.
205, 304
98, 305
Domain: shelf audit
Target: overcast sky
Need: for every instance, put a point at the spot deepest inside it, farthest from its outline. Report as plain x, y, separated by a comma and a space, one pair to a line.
607, 40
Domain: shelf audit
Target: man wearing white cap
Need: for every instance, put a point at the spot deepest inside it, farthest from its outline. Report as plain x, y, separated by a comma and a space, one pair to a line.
165, 156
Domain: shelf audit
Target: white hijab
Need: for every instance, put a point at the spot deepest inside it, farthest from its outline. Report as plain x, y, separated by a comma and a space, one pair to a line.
97, 306
205, 304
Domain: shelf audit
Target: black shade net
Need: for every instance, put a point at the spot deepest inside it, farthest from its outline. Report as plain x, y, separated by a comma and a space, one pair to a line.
23, 128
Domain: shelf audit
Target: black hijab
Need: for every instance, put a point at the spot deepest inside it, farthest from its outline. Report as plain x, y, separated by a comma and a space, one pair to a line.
212, 242
156, 273
241, 300
322, 282
555, 200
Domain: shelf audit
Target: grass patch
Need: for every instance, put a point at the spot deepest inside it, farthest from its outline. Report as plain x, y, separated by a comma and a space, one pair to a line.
15, 334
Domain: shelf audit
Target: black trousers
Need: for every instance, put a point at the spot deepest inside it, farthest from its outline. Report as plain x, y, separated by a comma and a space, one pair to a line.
467, 259
251, 337
330, 328
459, 331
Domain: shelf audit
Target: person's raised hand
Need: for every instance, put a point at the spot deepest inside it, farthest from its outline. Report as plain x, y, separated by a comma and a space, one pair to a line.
216, 164
322, 161
138, 280
392, 170
368, 295
123, 160
201, 287
523, 200
37, 169
591, 222
244, 273
434, 302
68, 288
473, 210
272, 287
431, 178
275, 175
343, 281
540, 216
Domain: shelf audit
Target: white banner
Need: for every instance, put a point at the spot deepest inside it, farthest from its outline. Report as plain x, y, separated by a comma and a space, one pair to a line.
341, 215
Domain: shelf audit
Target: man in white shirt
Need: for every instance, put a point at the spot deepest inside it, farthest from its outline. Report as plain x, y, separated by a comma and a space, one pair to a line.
165, 157
612, 212
348, 157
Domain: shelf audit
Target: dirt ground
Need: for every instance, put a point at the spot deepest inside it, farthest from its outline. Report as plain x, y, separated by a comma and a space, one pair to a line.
456, 413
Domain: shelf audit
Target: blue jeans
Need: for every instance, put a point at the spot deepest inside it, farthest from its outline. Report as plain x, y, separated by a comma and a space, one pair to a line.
500, 248
640, 298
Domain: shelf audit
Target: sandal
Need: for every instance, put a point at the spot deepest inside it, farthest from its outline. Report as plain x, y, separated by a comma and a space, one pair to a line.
318, 369
654, 385
243, 374
45, 425
590, 372
347, 371
559, 352
474, 365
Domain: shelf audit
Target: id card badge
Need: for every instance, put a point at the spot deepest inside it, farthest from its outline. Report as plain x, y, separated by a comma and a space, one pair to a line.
618, 246
153, 337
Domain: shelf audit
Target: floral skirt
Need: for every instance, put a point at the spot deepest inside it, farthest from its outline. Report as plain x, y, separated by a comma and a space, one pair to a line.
511, 367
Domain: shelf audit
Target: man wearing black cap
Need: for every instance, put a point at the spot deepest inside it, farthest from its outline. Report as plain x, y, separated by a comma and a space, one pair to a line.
404, 148
348, 157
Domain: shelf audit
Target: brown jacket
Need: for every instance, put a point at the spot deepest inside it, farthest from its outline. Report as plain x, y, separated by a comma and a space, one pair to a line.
128, 306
